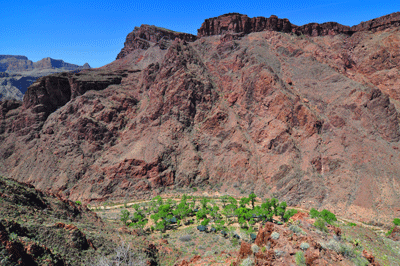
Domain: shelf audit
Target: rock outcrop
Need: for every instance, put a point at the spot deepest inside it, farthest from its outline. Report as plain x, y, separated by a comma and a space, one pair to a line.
237, 23
379, 24
146, 35
305, 119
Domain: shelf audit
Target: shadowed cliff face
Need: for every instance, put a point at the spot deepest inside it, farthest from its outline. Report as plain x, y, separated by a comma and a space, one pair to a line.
296, 117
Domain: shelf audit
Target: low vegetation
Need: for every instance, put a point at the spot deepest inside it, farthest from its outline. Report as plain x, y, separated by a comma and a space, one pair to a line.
161, 215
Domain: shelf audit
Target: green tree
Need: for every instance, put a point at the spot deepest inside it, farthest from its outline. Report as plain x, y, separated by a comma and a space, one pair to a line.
204, 202
314, 213
328, 216
224, 200
182, 210
205, 222
215, 213
158, 200
232, 201
267, 205
125, 216
274, 203
266, 209
252, 198
161, 226
193, 204
201, 214
289, 213
136, 207
244, 201
229, 210
280, 210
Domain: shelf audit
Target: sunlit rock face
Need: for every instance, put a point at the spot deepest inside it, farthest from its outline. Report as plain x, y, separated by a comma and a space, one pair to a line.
308, 114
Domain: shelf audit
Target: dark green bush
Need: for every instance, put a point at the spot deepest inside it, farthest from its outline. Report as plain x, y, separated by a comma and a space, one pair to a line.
289, 213
328, 216
320, 224
314, 213
324, 214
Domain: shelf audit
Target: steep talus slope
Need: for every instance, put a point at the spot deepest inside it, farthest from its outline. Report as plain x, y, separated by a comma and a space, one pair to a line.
296, 117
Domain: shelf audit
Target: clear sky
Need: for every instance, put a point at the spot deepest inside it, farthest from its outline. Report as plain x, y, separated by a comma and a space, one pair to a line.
94, 31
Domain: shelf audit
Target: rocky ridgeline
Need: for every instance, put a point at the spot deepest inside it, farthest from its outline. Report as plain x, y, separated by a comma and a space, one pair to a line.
19, 57
141, 37
236, 23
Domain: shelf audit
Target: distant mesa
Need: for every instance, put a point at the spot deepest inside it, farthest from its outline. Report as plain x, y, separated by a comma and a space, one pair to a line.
17, 73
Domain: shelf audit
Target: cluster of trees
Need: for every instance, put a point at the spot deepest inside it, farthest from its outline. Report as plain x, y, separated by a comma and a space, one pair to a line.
325, 215
169, 213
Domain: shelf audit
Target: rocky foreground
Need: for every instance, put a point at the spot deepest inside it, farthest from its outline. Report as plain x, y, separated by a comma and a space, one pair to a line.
308, 114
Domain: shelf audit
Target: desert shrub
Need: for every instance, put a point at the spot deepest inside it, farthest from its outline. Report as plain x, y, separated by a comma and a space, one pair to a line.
390, 231
78, 202
279, 253
255, 248
333, 245
347, 251
123, 256
296, 229
125, 216
12, 236
235, 242
396, 221
360, 261
185, 238
320, 225
304, 246
247, 262
275, 235
300, 259
344, 249
352, 224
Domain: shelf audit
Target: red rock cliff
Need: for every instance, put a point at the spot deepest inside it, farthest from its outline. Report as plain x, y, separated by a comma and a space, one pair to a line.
142, 37
236, 23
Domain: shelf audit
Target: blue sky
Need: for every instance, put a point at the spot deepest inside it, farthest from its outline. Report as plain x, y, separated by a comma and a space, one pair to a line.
94, 31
